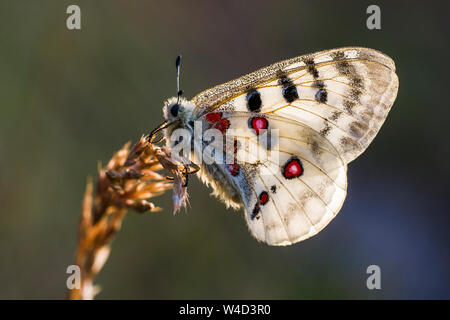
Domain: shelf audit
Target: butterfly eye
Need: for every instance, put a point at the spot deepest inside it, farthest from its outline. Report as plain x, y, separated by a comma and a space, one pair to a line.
174, 110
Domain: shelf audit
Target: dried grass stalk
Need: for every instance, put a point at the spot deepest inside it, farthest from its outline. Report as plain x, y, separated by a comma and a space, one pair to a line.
127, 181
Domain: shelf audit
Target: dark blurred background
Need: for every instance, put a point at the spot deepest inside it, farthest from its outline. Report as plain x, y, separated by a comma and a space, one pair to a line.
71, 98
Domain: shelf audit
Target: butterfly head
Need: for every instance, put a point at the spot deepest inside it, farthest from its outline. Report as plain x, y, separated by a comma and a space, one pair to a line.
179, 111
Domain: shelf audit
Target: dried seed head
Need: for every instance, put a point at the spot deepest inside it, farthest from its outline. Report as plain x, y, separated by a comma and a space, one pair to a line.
126, 182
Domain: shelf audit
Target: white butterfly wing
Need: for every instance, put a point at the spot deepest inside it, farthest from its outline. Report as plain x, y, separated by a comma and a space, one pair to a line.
345, 94
281, 208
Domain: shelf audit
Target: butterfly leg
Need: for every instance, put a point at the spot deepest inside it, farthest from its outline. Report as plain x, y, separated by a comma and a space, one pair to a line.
151, 137
153, 134
194, 169
188, 169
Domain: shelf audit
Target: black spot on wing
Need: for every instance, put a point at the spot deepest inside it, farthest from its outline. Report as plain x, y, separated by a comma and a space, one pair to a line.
344, 68
321, 96
349, 105
326, 129
318, 84
338, 55
335, 115
273, 189
312, 68
315, 148
289, 90
355, 94
256, 210
254, 102
357, 82
348, 69
236, 146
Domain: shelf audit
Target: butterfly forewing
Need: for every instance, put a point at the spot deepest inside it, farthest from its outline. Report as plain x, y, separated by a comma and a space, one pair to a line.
344, 94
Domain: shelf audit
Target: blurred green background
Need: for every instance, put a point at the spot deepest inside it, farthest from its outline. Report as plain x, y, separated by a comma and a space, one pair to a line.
71, 98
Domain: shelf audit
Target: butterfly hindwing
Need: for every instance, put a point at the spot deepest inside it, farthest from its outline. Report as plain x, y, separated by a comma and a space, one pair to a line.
292, 183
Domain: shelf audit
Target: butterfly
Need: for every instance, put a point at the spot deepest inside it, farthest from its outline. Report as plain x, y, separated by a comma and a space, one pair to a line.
326, 108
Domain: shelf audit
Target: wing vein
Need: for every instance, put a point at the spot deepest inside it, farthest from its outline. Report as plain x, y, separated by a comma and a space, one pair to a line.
276, 207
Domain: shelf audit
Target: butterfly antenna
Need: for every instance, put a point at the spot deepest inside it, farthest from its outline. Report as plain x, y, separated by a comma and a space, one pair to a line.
177, 65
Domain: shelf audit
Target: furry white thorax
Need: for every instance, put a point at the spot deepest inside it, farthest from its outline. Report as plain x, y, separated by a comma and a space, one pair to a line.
223, 188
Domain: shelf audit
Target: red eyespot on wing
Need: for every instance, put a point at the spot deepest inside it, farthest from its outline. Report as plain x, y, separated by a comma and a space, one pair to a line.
213, 117
233, 168
222, 125
293, 168
263, 197
258, 124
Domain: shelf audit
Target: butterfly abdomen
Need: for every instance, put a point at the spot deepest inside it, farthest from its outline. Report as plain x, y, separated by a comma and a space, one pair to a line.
223, 186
